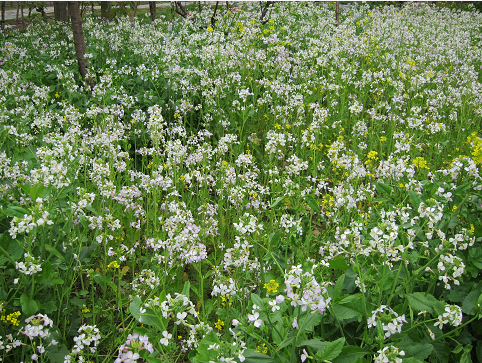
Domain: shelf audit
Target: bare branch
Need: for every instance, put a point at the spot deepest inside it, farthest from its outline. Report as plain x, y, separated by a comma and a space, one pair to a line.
213, 18
264, 11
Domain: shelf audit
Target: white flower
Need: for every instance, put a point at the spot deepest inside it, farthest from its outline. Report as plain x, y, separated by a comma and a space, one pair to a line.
166, 337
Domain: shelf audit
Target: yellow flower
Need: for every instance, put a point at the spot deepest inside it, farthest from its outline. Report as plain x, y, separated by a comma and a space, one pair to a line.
271, 287
420, 163
383, 139
210, 29
219, 325
113, 264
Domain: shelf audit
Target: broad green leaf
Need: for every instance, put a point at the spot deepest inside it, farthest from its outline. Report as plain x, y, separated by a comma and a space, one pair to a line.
466, 358
478, 350
186, 289
54, 252
415, 199
313, 343
153, 360
49, 307
351, 298
277, 201
309, 321
29, 306
469, 304
285, 343
84, 255
16, 211
461, 189
421, 301
343, 312
411, 360
147, 316
384, 188
254, 357
312, 203
333, 349
350, 354
475, 256
440, 352
339, 287
257, 300
339, 263
416, 350
56, 353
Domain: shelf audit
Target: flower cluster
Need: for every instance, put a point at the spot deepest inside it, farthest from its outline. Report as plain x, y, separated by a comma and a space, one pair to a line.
390, 321
129, 351
303, 290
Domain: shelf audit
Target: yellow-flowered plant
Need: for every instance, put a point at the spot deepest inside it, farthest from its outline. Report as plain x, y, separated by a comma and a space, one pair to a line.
271, 287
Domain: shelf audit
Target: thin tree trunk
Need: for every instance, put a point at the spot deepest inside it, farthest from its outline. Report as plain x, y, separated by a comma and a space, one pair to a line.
132, 15
337, 13
61, 12
23, 19
79, 41
152, 9
264, 11
213, 18
3, 16
18, 13
104, 9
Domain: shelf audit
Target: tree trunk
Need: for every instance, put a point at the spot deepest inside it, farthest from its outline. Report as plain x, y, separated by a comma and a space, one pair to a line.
61, 12
105, 10
79, 41
23, 18
337, 12
132, 15
152, 9
3, 16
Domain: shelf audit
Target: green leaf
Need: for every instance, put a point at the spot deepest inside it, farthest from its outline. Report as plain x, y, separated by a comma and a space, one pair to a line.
309, 321
186, 288
416, 350
277, 201
469, 304
478, 350
147, 316
384, 188
411, 360
350, 354
339, 263
312, 203
256, 300
339, 287
253, 357
56, 353
49, 307
440, 353
421, 301
333, 349
285, 343
415, 199
466, 354
313, 343
29, 306
84, 255
343, 312
54, 252
16, 211
475, 256
153, 360
461, 189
